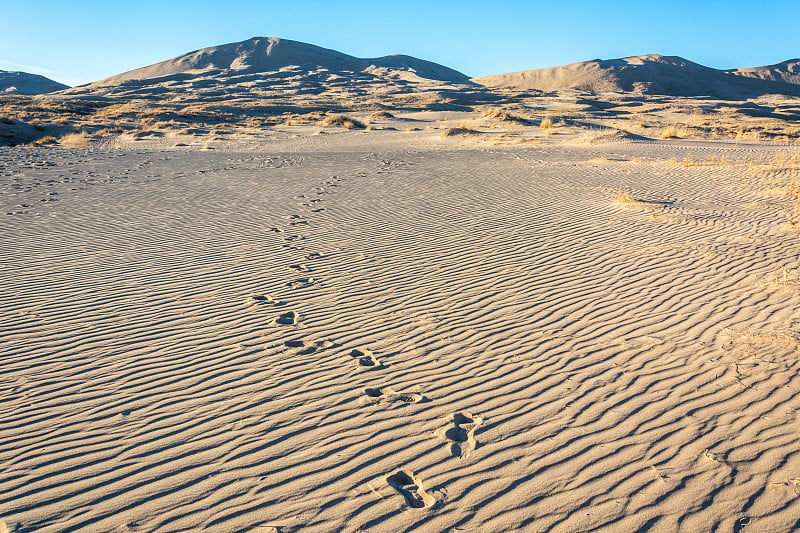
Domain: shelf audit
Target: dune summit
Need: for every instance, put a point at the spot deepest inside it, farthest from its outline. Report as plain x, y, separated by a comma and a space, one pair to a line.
284, 73
267, 54
653, 74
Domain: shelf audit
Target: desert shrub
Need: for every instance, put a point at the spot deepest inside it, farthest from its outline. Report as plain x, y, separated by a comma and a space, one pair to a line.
498, 114
344, 121
75, 140
44, 140
673, 132
455, 132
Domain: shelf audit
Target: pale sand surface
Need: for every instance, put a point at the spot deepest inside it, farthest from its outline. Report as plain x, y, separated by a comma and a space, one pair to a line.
536, 355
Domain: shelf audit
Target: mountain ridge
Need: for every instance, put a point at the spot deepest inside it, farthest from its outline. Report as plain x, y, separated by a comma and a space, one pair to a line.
266, 54
650, 74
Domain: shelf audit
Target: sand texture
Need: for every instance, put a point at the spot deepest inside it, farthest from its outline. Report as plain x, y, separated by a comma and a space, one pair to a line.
397, 331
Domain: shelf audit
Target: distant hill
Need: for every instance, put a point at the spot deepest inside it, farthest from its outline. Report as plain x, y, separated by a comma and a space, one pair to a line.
786, 72
271, 55
13, 82
273, 73
652, 74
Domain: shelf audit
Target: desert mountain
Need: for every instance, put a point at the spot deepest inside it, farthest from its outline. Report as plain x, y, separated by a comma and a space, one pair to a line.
13, 82
786, 72
267, 74
649, 74
284, 73
269, 54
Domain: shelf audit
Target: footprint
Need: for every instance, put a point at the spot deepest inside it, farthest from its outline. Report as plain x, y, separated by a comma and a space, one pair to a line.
293, 238
463, 434
299, 268
289, 318
263, 299
315, 255
388, 395
301, 283
365, 357
410, 486
310, 346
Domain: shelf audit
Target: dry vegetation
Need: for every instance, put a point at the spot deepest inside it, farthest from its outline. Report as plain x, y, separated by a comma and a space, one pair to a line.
459, 131
348, 123
27, 120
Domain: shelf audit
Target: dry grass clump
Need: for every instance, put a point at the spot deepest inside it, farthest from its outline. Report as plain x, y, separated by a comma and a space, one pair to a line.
344, 121
788, 278
44, 140
547, 123
455, 132
673, 132
161, 124
382, 114
75, 140
110, 129
625, 199
498, 114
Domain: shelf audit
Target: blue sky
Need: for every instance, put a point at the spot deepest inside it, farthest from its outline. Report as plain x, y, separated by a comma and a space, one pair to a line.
78, 41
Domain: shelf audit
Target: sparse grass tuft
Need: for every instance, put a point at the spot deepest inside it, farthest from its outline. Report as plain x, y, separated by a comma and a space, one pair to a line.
44, 140
498, 114
547, 123
75, 140
625, 199
788, 277
455, 132
345, 122
673, 132
109, 129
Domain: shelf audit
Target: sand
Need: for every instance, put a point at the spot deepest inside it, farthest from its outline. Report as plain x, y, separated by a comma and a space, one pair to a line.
394, 331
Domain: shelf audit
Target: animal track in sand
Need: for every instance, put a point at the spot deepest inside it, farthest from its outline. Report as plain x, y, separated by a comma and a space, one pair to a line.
388, 395
289, 318
299, 268
365, 357
315, 255
463, 434
410, 486
302, 283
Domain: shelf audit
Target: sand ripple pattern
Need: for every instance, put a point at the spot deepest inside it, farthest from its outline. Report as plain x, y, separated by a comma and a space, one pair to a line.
529, 355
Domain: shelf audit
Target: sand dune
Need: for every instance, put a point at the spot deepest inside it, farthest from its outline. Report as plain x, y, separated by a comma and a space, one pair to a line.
489, 340
786, 71
271, 54
268, 287
12, 82
652, 74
